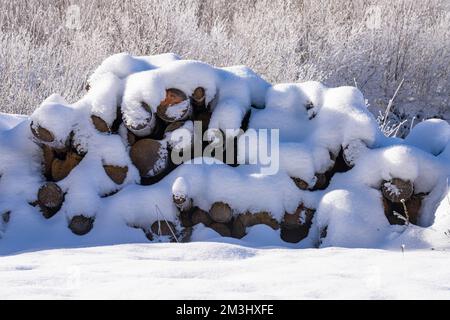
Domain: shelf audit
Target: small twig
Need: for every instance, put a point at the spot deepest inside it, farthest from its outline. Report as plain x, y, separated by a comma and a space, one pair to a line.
406, 210
158, 211
391, 101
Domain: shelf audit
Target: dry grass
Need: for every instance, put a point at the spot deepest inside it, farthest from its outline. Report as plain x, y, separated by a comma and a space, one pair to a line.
339, 42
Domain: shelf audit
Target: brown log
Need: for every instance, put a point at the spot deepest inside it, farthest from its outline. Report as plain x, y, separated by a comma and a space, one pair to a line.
50, 199
131, 137
42, 133
186, 234
249, 219
397, 189
220, 212
200, 216
173, 126
198, 100
146, 154
413, 205
321, 182
352, 151
143, 128
301, 184
238, 229
295, 227
62, 168
48, 155
186, 219
80, 225
116, 173
100, 124
162, 228
173, 98
221, 229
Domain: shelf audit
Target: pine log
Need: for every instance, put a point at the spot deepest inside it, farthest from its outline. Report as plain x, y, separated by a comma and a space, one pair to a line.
186, 218
162, 228
62, 168
397, 189
150, 157
42, 134
301, 184
200, 216
249, 219
50, 199
220, 212
174, 98
221, 229
295, 227
48, 155
100, 124
145, 127
81, 225
198, 100
116, 173
321, 182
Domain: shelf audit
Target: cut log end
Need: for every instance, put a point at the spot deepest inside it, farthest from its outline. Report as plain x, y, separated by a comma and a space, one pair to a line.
149, 156
100, 124
221, 212
397, 189
200, 216
42, 134
301, 184
162, 228
175, 107
62, 168
116, 173
295, 227
81, 225
50, 199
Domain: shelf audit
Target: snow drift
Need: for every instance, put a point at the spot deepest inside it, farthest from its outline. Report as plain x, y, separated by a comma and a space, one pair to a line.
98, 171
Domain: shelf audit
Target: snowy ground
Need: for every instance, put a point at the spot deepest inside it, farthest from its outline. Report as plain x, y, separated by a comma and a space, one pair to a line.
211, 270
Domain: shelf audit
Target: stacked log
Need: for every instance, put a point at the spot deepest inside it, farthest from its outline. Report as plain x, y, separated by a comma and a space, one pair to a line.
50, 199
248, 219
401, 205
81, 225
116, 173
150, 157
295, 227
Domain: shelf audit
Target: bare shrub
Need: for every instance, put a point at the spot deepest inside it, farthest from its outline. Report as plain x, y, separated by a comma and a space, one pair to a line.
374, 44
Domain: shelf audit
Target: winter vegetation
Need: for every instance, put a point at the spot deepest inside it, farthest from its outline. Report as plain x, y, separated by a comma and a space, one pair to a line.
48, 47
246, 128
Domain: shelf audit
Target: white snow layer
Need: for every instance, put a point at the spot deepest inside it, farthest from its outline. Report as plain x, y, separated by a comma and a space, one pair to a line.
314, 123
224, 271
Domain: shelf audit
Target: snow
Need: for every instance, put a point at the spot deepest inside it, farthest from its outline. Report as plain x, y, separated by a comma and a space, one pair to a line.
212, 270
315, 123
